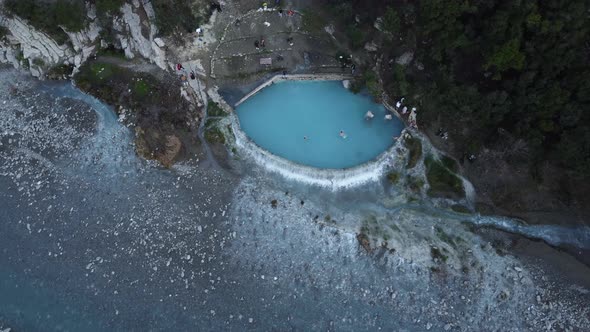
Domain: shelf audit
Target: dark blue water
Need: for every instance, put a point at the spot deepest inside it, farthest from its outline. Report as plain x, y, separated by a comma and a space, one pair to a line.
302, 120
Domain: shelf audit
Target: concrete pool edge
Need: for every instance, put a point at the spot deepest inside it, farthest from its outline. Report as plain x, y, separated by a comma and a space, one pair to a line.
293, 77
370, 171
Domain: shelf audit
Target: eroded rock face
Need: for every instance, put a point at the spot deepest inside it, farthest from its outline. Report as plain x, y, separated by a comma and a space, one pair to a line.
137, 32
25, 47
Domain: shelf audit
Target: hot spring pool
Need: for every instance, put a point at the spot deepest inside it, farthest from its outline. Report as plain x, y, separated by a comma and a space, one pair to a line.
280, 117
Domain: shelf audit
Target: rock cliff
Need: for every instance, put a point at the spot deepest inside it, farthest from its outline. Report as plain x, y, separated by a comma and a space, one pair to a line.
28, 48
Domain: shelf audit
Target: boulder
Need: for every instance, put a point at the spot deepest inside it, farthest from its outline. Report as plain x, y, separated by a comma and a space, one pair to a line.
371, 46
405, 58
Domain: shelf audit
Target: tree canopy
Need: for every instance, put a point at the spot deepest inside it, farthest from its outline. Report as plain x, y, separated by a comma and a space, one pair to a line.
522, 66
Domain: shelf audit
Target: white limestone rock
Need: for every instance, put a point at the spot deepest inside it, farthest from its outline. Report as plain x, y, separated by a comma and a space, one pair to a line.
371, 46
405, 58
137, 37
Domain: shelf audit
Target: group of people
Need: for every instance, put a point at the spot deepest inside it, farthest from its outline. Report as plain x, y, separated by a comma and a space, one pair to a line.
342, 134
183, 73
262, 43
258, 44
403, 110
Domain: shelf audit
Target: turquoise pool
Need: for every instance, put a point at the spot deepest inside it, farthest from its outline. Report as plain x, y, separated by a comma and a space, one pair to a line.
301, 121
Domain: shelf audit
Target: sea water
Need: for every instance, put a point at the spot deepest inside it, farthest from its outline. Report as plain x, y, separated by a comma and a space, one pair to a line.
302, 120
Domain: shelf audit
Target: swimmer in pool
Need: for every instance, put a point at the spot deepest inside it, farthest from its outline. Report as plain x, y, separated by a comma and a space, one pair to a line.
342, 134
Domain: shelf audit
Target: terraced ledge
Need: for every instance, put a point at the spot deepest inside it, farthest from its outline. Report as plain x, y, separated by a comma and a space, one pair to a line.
294, 77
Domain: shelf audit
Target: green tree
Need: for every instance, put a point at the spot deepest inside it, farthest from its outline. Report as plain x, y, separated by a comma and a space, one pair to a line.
507, 56
391, 21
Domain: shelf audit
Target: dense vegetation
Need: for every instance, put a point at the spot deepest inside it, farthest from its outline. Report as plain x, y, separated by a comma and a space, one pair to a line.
175, 15
478, 66
50, 16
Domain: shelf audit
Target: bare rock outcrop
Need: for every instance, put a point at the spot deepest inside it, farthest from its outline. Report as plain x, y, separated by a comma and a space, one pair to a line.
26, 47
137, 32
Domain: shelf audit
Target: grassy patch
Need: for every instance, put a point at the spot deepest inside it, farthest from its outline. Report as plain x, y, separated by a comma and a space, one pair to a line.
450, 163
101, 71
312, 21
414, 183
438, 255
3, 32
393, 177
176, 15
211, 122
213, 109
59, 72
444, 236
108, 7
141, 88
121, 86
214, 135
112, 52
460, 208
415, 147
356, 36
443, 182
38, 62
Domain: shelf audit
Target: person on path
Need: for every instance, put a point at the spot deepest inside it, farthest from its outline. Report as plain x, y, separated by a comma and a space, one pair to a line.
262, 42
256, 44
179, 66
192, 75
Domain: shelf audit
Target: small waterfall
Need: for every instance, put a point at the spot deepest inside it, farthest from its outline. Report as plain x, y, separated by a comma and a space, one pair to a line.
469, 191
334, 179
553, 234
